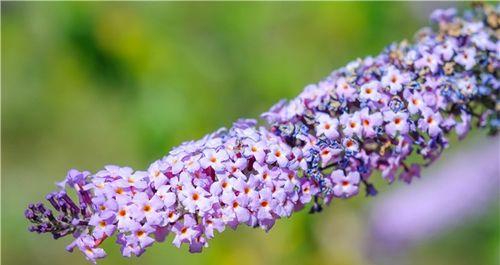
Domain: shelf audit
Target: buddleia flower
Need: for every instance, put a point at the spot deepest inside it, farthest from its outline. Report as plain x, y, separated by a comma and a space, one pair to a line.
325, 144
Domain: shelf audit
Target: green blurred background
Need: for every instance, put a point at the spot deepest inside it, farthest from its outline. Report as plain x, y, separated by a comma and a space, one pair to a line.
87, 84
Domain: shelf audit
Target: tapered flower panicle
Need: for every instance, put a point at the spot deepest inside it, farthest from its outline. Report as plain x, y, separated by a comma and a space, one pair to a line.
326, 143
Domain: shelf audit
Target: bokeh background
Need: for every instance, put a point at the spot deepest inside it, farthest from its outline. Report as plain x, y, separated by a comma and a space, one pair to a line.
88, 84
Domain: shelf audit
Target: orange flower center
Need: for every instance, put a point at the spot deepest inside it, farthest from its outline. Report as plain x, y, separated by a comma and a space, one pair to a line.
89, 250
394, 79
122, 213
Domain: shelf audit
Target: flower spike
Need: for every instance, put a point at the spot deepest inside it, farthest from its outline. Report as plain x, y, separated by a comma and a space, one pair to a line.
368, 116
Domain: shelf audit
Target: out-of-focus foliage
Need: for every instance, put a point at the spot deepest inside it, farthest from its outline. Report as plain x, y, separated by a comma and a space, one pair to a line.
87, 84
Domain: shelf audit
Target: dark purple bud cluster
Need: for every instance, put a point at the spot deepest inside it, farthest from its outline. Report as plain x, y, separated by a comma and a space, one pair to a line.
68, 216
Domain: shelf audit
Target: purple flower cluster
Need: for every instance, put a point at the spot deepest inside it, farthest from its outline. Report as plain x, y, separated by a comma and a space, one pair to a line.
368, 116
